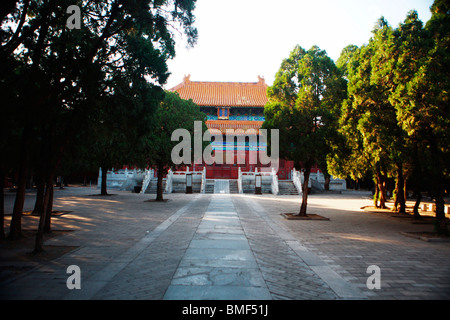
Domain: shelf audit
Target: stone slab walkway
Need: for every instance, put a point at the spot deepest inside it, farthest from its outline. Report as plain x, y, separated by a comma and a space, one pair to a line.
219, 263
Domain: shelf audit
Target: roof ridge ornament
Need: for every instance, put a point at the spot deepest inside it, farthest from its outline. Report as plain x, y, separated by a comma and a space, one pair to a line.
261, 80
187, 78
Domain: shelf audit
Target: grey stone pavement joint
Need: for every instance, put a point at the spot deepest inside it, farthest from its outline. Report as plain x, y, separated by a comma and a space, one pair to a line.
100, 279
342, 288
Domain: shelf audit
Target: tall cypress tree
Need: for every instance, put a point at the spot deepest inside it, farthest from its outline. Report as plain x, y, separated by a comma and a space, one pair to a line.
303, 105
61, 73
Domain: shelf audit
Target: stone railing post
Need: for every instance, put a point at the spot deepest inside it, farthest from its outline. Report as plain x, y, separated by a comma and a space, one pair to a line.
203, 185
169, 181
240, 181
275, 187
297, 180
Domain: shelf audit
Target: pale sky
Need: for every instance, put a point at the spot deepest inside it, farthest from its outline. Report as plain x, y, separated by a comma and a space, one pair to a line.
241, 39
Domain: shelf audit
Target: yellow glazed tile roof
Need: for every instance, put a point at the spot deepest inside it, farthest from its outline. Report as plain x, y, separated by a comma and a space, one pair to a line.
223, 94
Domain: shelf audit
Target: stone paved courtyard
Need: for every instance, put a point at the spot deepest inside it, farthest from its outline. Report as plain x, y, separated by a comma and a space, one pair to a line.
225, 247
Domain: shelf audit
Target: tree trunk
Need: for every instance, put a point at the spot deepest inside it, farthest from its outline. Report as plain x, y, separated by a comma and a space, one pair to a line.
2, 204
377, 194
416, 179
400, 192
381, 185
417, 204
438, 186
395, 197
159, 189
383, 195
103, 189
441, 223
51, 159
48, 216
382, 189
40, 184
405, 190
327, 182
306, 174
39, 242
15, 230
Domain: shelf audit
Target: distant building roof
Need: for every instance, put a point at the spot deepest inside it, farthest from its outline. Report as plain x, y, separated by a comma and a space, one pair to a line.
223, 94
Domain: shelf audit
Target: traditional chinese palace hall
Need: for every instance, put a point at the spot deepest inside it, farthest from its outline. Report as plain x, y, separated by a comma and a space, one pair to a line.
231, 105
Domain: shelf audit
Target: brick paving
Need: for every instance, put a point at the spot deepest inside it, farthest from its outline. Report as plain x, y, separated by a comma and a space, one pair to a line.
128, 248
286, 274
353, 240
149, 274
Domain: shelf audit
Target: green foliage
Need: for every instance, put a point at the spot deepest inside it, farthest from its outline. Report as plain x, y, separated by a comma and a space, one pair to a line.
394, 121
61, 80
82, 91
156, 146
304, 105
173, 113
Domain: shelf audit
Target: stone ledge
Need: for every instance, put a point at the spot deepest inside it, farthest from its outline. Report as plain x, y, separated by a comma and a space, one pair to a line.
426, 236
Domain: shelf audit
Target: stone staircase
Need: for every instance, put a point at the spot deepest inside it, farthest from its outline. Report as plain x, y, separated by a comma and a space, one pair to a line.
266, 187
287, 187
248, 187
153, 185
209, 188
180, 187
234, 186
